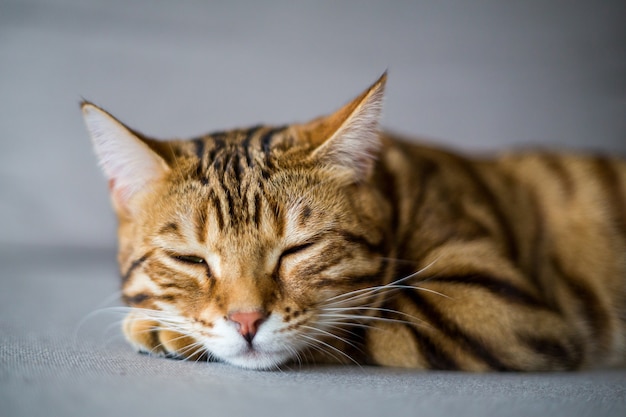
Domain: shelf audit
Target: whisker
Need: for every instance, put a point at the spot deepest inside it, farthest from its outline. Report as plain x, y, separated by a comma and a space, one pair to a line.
316, 346
93, 314
324, 332
367, 308
373, 318
391, 285
321, 342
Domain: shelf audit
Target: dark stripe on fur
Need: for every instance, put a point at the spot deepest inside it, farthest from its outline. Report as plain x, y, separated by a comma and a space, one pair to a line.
537, 247
201, 223
170, 228
250, 134
452, 330
199, 148
387, 181
428, 169
279, 218
356, 348
374, 247
217, 206
493, 203
257, 210
295, 249
496, 286
218, 145
199, 145
559, 170
613, 191
201, 175
354, 280
136, 299
594, 309
235, 166
133, 266
266, 145
304, 215
436, 357
320, 266
266, 148
175, 285
555, 351
232, 213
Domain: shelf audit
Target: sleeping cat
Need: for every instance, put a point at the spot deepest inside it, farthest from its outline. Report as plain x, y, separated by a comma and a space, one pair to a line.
331, 241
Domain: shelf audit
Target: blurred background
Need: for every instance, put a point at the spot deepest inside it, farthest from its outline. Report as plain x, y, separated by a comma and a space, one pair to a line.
479, 76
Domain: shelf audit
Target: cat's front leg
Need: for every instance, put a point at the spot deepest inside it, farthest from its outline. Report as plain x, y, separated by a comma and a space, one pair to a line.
151, 337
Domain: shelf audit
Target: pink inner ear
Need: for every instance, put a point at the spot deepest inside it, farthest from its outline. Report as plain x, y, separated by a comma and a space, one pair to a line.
119, 197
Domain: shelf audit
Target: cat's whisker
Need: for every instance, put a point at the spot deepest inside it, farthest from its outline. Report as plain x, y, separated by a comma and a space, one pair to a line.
392, 285
366, 308
195, 350
329, 334
382, 290
294, 353
115, 325
114, 297
314, 345
374, 318
344, 327
96, 313
329, 346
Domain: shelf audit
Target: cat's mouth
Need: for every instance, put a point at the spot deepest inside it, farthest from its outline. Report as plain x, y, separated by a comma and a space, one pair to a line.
253, 357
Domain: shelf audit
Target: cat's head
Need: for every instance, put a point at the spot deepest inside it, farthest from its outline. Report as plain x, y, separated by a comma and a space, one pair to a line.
257, 243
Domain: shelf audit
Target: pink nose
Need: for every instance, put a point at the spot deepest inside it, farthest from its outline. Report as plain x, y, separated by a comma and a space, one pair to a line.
247, 322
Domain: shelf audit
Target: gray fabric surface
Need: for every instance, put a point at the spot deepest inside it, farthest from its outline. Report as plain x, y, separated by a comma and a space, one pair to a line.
478, 75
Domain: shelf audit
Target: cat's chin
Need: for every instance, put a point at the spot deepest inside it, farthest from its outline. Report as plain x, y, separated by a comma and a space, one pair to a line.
257, 360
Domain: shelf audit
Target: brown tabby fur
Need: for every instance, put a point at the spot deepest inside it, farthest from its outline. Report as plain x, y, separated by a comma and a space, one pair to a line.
364, 248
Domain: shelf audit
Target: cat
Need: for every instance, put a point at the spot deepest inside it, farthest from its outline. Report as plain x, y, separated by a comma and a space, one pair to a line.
332, 241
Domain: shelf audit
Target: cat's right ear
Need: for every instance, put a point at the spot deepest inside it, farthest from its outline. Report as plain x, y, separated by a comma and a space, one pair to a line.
128, 162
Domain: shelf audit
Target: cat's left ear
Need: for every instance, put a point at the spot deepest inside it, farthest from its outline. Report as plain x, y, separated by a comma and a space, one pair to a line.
350, 137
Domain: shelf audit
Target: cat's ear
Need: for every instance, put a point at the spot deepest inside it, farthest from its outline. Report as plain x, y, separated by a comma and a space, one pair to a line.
127, 160
350, 138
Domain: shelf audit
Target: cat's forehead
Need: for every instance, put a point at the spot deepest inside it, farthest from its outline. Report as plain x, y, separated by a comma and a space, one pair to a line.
234, 157
254, 139
239, 180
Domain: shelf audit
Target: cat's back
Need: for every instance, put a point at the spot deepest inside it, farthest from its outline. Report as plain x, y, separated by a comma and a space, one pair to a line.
584, 188
559, 219
578, 195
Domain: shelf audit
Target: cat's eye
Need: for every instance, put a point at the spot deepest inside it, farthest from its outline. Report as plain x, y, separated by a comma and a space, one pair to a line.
189, 259
290, 251
295, 249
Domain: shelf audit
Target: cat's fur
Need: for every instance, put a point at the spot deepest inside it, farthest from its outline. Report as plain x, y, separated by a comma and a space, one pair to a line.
333, 241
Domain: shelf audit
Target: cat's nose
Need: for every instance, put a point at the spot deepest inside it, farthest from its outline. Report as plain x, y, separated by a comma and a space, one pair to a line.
248, 322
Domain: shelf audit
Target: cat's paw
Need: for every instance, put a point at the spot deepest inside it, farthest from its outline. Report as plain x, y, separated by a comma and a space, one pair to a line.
149, 336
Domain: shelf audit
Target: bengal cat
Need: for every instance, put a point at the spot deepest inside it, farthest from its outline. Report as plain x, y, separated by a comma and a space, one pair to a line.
332, 241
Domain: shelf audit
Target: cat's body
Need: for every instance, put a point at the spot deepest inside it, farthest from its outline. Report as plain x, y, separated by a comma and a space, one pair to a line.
330, 241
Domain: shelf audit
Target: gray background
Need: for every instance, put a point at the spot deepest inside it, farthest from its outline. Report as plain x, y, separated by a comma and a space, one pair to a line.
476, 75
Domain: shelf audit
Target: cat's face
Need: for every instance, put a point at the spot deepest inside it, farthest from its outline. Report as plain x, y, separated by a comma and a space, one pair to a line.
256, 244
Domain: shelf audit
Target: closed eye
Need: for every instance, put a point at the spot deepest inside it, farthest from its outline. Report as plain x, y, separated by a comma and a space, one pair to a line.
189, 259
193, 260
295, 249
287, 252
